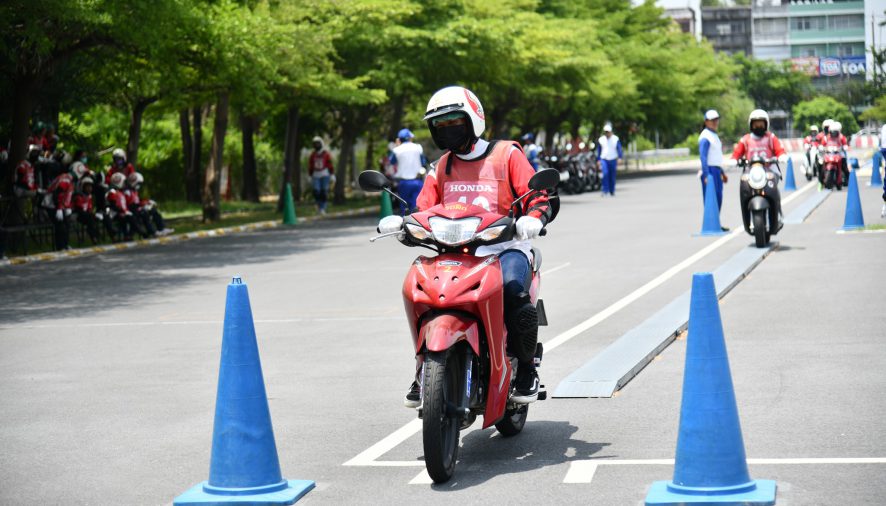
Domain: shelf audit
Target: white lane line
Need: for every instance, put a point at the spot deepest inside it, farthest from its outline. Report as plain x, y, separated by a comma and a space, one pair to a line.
651, 285
200, 322
423, 478
582, 471
555, 269
367, 457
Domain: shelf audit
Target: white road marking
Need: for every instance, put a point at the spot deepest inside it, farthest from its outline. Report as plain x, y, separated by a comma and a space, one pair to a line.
199, 322
555, 269
423, 478
651, 285
582, 471
368, 457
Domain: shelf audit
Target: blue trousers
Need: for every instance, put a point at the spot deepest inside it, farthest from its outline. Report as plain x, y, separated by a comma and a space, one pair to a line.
409, 190
321, 187
608, 168
717, 174
516, 275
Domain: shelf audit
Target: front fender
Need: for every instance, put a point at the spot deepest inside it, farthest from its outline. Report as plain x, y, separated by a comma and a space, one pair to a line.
444, 331
758, 203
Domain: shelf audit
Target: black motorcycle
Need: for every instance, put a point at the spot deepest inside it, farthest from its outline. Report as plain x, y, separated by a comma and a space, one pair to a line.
760, 199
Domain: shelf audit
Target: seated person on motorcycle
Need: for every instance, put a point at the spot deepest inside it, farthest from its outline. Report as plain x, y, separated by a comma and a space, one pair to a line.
456, 120
836, 139
760, 141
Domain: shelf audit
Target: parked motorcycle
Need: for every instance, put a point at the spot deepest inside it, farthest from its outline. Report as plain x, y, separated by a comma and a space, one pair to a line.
812, 162
833, 168
760, 200
455, 307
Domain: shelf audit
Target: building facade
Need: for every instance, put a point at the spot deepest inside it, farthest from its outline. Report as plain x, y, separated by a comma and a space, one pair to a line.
728, 29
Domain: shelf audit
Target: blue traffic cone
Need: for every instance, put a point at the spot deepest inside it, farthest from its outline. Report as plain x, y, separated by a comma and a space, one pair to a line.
711, 222
710, 466
876, 180
853, 218
789, 183
244, 468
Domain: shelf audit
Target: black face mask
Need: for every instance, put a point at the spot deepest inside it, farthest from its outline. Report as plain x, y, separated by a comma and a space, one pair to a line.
457, 139
759, 131
317, 146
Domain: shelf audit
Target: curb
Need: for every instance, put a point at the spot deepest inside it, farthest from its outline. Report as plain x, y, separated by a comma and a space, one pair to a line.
175, 238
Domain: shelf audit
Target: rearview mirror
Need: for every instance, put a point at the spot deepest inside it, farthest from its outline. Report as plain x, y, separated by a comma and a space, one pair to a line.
373, 181
545, 179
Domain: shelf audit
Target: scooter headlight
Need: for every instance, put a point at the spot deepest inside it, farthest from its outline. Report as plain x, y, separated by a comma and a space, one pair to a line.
453, 232
757, 177
416, 232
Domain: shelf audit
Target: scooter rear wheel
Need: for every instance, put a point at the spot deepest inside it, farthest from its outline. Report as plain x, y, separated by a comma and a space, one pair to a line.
513, 421
440, 431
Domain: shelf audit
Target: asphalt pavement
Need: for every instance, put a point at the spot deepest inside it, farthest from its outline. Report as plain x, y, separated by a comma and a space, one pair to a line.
109, 363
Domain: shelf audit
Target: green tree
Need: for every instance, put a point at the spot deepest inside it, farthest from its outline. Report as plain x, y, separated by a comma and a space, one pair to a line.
813, 112
771, 85
877, 112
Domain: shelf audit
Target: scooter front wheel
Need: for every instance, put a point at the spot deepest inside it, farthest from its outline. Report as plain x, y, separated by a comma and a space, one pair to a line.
761, 236
441, 427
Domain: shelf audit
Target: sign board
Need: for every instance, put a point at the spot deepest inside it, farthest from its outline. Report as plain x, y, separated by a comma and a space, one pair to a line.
807, 65
829, 67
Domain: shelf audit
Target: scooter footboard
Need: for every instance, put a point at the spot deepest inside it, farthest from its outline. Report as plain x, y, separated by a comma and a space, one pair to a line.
444, 331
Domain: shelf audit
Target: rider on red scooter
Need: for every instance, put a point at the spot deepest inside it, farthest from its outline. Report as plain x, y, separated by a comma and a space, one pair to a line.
761, 142
491, 175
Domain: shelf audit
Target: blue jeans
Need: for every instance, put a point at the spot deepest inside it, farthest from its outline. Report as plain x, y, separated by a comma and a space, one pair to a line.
608, 168
409, 190
717, 174
321, 187
516, 275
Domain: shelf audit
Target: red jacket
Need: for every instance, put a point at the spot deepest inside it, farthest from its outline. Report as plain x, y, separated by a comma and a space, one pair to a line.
117, 201
126, 170
24, 176
318, 161
82, 202
491, 181
132, 198
62, 190
768, 145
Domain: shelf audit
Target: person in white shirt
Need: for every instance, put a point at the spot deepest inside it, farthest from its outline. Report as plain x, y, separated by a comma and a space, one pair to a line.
408, 160
608, 153
710, 149
883, 153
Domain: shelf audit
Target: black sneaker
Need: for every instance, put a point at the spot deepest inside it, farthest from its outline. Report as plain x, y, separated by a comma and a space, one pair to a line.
413, 397
526, 389
724, 229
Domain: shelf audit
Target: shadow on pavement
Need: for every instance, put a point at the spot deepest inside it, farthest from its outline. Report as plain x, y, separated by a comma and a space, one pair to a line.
539, 445
99, 284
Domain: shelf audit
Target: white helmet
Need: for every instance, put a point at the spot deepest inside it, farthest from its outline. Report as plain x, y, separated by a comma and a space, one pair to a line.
83, 182
456, 98
118, 153
118, 180
826, 124
758, 114
135, 179
836, 126
79, 169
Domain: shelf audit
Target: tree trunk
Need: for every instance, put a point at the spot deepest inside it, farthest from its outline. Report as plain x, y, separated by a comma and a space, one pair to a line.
291, 158
250, 172
184, 123
369, 164
135, 129
22, 105
396, 117
192, 177
344, 162
212, 177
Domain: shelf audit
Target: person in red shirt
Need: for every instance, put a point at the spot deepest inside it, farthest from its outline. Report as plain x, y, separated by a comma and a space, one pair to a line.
118, 208
82, 206
322, 173
837, 139
25, 184
119, 164
486, 174
760, 142
58, 201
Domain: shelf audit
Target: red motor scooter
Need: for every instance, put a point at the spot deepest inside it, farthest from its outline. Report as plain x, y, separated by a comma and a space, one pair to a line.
455, 307
833, 167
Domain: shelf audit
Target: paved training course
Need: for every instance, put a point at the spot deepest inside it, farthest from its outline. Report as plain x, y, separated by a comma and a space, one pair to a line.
110, 363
